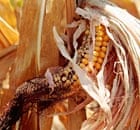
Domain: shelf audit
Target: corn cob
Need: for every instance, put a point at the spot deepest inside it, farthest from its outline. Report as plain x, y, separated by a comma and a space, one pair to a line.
64, 79
99, 50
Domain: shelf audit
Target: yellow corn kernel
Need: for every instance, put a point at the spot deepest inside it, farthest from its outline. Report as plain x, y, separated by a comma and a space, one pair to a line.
67, 83
95, 58
102, 54
100, 27
100, 60
103, 48
66, 72
74, 77
98, 43
100, 33
99, 38
104, 43
82, 65
95, 53
97, 66
85, 61
106, 38
101, 42
97, 48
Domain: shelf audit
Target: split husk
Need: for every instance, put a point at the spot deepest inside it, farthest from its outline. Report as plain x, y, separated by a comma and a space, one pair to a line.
120, 103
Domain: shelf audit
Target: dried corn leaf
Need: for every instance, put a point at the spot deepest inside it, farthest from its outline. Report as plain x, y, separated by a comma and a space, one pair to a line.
7, 13
37, 50
129, 5
8, 35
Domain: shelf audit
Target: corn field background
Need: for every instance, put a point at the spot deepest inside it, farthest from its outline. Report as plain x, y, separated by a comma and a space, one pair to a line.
28, 48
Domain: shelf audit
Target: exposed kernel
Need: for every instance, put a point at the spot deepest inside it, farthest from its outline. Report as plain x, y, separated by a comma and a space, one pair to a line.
100, 27
82, 65
57, 78
100, 33
97, 66
97, 48
66, 72
98, 38
106, 38
74, 77
85, 61
103, 48
102, 54
98, 43
95, 53
100, 60
67, 83
69, 70
77, 83
104, 43
95, 58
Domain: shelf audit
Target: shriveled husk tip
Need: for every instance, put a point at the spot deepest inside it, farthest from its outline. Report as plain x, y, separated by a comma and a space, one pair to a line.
119, 106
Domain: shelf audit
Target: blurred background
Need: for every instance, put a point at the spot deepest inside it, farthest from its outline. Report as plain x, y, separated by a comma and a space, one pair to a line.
10, 14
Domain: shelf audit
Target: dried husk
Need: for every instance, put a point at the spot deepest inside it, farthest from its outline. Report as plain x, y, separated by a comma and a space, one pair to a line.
125, 68
132, 6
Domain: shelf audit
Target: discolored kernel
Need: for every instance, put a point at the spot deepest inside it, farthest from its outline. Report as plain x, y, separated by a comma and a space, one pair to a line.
82, 65
66, 72
88, 40
75, 77
87, 32
64, 78
68, 82
86, 56
77, 83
